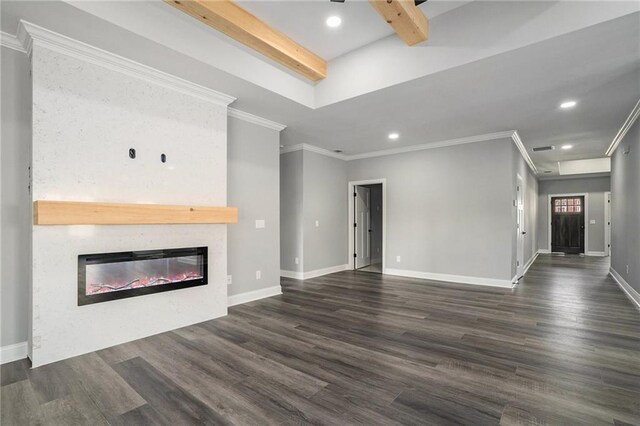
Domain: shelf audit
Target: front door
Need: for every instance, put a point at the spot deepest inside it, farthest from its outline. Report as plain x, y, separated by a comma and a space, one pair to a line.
567, 224
362, 222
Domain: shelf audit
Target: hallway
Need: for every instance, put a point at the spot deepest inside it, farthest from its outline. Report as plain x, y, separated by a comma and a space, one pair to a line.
563, 347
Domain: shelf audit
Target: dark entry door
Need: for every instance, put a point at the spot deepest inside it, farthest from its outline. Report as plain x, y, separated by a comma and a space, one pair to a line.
567, 224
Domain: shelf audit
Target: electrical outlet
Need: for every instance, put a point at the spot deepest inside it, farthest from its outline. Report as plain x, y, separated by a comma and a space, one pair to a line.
258, 275
627, 269
229, 279
398, 259
317, 224
260, 223
296, 260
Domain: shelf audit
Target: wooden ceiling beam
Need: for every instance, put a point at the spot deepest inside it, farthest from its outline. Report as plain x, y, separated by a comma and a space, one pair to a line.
405, 18
234, 21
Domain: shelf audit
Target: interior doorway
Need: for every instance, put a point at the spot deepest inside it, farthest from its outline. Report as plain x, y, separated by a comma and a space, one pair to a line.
568, 224
366, 225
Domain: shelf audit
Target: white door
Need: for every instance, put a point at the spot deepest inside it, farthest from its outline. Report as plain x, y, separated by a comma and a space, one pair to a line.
520, 232
362, 224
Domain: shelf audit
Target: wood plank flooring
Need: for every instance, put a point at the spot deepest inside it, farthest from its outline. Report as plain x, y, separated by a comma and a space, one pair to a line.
563, 347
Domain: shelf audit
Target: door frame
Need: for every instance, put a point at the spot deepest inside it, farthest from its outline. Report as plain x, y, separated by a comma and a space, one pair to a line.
351, 209
607, 220
586, 217
520, 227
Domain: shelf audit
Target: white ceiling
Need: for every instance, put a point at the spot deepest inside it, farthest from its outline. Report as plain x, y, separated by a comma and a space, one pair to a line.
519, 89
304, 22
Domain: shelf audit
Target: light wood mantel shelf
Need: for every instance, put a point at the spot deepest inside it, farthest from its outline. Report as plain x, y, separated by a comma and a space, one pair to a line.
89, 213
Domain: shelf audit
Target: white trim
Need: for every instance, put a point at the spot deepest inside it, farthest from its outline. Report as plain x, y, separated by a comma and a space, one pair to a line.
292, 274
260, 121
513, 134
10, 41
313, 274
351, 188
586, 217
432, 145
607, 221
313, 148
628, 123
544, 251
629, 291
29, 34
595, 253
529, 263
13, 352
250, 296
461, 279
523, 151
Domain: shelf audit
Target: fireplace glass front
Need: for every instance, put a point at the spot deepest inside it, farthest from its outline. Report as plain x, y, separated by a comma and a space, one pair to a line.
108, 276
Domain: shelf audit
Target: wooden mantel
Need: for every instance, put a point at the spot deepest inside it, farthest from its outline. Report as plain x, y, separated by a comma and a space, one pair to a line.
89, 213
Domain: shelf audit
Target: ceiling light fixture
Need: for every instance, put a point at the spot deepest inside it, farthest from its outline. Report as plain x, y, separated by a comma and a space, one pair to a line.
568, 104
393, 136
333, 21
565, 147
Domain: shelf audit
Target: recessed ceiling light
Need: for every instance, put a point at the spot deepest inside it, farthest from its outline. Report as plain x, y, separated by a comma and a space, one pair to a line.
394, 136
567, 146
334, 21
568, 104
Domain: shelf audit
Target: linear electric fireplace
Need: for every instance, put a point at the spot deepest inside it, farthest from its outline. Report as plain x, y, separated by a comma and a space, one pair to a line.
109, 276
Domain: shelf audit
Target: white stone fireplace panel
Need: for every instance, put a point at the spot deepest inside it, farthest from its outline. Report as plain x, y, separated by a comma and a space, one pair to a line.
86, 117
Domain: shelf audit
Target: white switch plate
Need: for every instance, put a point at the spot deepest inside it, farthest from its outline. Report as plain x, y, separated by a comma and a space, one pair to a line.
229, 279
317, 224
398, 259
258, 275
260, 223
592, 222
296, 260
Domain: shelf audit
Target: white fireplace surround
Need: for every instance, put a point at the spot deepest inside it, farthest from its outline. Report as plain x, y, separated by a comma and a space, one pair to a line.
89, 108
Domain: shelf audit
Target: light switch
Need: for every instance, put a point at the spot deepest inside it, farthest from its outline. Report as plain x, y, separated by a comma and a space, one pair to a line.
258, 275
317, 224
260, 223
592, 222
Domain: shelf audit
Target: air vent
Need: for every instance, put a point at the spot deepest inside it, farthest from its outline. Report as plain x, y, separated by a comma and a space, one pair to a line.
338, 151
547, 171
544, 148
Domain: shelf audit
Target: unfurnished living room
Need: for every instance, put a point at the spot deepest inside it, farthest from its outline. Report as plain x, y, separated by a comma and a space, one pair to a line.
331, 212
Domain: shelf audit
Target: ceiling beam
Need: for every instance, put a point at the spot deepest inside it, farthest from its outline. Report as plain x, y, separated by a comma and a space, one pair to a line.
405, 18
234, 21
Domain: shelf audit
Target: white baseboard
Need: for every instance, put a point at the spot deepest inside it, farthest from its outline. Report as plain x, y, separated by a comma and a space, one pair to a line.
595, 253
624, 285
544, 251
462, 279
291, 274
250, 296
313, 274
13, 352
530, 262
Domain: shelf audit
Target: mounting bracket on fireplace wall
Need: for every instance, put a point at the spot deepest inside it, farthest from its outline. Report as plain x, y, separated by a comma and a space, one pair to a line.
89, 213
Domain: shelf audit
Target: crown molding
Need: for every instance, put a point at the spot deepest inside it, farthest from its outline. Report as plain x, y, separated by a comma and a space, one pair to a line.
523, 151
432, 145
11, 41
260, 121
30, 34
440, 144
628, 123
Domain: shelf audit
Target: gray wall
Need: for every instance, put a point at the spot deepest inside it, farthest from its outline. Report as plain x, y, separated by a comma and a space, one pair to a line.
325, 198
376, 222
291, 236
253, 154
625, 208
595, 187
14, 196
449, 210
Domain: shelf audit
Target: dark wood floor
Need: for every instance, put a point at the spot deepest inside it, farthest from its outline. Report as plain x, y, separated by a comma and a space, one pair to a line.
563, 347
